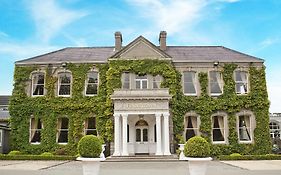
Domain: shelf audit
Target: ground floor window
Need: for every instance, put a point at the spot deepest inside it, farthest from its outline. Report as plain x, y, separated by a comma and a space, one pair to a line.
35, 130
191, 127
274, 129
90, 126
218, 129
62, 134
245, 128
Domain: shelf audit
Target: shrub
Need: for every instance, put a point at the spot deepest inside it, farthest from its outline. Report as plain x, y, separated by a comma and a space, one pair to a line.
60, 151
89, 146
234, 155
15, 153
197, 147
47, 154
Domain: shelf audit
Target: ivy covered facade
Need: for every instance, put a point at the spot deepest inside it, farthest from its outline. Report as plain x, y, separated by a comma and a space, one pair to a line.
140, 99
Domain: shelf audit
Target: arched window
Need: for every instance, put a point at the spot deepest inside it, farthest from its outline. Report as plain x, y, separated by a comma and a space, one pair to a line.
38, 83
62, 130
64, 84
90, 126
191, 126
274, 129
91, 87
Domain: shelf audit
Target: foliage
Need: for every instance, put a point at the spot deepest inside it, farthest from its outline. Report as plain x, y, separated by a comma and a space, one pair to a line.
77, 108
234, 154
89, 146
35, 157
197, 147
13, 153
47, 154
250, 157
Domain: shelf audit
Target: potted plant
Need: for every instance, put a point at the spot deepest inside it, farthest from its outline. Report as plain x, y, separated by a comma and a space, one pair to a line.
197, 151
90, 149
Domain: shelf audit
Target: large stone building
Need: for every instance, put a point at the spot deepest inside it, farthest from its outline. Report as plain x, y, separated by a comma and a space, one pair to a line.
141, 98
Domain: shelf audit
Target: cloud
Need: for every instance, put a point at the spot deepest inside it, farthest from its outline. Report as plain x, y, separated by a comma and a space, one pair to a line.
229, 1
50, 17
269, 42
3, 34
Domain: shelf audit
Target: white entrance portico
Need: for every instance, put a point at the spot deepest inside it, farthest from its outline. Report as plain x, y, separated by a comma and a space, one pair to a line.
141, 122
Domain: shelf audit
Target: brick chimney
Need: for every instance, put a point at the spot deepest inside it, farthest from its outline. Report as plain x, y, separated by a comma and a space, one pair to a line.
162, 40
118, 41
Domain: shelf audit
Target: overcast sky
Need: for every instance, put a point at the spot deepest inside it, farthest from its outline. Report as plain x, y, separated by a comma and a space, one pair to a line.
33, 27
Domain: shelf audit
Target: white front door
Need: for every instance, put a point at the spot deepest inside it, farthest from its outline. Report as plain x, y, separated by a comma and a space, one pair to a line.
141, 146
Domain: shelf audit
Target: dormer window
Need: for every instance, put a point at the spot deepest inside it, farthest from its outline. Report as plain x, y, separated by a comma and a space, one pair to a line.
241, 82
38, 82
215, 83
141, 81
64, 84
91, 84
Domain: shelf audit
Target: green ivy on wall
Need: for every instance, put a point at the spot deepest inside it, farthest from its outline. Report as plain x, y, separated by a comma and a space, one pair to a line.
78, 107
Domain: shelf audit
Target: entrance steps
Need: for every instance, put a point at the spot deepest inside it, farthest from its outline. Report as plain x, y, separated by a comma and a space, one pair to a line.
142, 158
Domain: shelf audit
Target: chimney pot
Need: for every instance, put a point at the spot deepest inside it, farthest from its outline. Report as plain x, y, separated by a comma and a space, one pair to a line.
162, 40
118, 41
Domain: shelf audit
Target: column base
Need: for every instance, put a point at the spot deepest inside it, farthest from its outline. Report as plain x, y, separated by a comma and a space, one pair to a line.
125, 154
116, 154
167, 154
159, 154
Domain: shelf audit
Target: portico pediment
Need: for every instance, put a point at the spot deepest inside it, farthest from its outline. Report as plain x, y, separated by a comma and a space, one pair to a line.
141, 48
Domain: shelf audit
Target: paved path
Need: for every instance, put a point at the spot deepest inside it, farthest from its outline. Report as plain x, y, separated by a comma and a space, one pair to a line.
139, 168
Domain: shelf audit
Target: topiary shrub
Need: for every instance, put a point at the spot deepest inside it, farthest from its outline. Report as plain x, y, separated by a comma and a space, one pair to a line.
89, 146
12, 153
197, 147
235, 155
47, 154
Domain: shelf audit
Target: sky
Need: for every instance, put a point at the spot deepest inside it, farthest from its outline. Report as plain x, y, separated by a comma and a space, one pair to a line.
34, 27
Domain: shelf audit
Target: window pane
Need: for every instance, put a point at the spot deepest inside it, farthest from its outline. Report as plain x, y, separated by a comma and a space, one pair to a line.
63, 137
126, 80
157, 81
35, 130
138, 85
64, 123
244, 128
215, 79
241, 81
92, 89
218, 128
92, 83
64, 90
138, 135
189, 83
145, 135
38, 84
191, 127
93, 77
144, 84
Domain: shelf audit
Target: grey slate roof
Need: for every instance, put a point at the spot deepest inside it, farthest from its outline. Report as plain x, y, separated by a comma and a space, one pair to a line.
178, 54
4, 100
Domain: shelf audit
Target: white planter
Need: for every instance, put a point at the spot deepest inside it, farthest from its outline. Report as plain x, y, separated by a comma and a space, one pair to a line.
91, 166
181, 148
198, 166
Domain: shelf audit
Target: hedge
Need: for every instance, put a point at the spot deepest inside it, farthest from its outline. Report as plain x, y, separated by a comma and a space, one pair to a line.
35, 157
250, 157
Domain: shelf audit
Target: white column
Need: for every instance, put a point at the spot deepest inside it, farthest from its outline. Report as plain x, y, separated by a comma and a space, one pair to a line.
166, 135
125, 131
116, 135
158, 135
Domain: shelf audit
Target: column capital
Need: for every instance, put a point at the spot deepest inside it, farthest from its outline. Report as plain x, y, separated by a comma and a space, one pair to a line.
158, 114
166, 114
124, 115
116, 115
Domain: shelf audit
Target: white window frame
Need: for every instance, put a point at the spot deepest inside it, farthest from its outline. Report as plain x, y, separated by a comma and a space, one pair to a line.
141, 80
35, 83
194, 83
220, 82
251, 127
85, 127
59, 130
157, 80
246, 82
124, 74
224, 116
196, 129
59, 84
36, 129
87, 83
273, 130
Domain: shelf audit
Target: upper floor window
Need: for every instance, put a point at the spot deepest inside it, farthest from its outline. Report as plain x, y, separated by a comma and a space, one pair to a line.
274, 129
64, 85
189, 81
90, 126
62, 132
218, 129
141, 81
38, 82
191, 127
215, 83
126, 80
241, 81
245, 128
91, 84
35, 130
156, 82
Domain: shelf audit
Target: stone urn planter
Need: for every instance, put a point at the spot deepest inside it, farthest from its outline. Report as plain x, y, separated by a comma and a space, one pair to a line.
181, 148
91, 152
196, 152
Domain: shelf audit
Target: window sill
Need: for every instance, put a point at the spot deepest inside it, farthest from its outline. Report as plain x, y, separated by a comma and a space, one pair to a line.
86, 95
37, 95
62, 143
245, 142
241, 94
64, 95
215, 95
190, 94
219, 142
35, 143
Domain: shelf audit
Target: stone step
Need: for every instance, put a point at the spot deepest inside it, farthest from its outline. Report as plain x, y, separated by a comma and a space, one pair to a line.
142, 158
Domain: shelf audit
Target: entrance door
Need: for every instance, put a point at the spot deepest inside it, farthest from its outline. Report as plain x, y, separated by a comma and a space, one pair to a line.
141, 146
